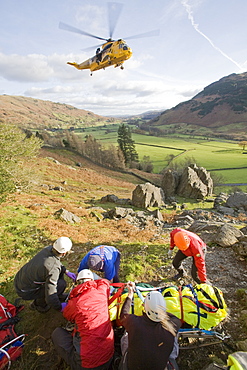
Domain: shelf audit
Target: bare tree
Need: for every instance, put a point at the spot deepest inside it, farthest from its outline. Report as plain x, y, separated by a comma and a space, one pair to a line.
243, 144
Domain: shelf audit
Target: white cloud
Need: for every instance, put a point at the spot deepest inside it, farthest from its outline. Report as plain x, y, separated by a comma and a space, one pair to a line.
93, 19
25, 68
37, 67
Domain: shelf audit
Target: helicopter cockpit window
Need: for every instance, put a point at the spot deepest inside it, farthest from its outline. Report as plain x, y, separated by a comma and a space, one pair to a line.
107, 47
123, 46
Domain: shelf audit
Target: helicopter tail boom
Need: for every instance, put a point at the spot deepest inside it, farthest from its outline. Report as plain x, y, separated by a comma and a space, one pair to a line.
83, 65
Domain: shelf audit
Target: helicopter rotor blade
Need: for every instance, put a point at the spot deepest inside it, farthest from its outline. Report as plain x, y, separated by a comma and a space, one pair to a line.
67, 27
92, 47
114, 11
141, 35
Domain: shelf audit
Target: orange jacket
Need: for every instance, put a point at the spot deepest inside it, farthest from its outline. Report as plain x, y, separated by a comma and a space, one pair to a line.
196, 250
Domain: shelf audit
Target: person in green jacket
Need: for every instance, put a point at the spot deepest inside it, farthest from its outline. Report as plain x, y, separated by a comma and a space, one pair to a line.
42, 278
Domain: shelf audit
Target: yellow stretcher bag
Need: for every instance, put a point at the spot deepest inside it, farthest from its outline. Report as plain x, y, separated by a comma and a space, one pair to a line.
202, 306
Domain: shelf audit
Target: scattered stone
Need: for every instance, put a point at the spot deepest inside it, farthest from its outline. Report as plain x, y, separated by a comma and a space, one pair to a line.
67, 216
111, 198
54, 160
220, 200
97, 215
58, 188
240, 247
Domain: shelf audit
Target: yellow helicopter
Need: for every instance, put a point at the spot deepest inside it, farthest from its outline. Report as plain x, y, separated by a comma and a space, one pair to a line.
112, 52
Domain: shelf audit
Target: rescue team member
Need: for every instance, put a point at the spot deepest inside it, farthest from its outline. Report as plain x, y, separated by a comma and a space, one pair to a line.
103, 258
151, 337
42, 278
189, 244
91, 345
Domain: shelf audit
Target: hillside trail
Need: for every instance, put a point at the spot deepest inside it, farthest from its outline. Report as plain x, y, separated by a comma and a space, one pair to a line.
228, 272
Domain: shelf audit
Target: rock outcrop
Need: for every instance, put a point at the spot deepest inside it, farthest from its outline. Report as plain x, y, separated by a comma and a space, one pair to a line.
194, 182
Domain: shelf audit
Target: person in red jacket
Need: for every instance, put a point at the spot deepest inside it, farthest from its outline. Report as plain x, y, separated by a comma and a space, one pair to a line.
189, 245
91, 345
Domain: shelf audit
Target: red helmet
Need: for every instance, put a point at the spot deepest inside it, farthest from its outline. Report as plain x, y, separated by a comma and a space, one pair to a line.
181, 240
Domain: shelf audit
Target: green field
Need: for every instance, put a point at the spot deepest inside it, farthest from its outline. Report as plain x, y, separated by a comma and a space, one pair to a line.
211, 154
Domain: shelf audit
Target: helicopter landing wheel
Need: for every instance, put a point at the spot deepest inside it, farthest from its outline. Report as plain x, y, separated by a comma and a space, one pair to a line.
122, 67
91, 74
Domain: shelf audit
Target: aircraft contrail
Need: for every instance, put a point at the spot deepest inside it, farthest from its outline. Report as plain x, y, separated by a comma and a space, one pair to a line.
189, 11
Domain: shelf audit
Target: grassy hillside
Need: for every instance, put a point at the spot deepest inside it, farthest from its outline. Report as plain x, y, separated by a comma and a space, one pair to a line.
39, 114
28, 223
221, 108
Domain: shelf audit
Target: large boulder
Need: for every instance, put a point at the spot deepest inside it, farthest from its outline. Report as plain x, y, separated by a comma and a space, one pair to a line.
147, 195
238, 201
67, 216
195, 183
228, 235
169, 183
219, 233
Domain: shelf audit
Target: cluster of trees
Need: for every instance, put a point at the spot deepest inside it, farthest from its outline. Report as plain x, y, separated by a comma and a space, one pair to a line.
16, 149
91, 148
119, 157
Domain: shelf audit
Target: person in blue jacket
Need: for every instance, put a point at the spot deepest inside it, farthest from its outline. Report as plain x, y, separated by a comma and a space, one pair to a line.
103, 258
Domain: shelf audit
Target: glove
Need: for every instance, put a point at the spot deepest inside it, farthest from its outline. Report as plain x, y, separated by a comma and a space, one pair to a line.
64, 304
169, 254
71, 275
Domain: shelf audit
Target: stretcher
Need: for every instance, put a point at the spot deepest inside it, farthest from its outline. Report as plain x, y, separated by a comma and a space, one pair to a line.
200, 308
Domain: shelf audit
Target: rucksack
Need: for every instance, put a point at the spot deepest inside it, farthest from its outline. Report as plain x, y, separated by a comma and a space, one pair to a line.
10, 343
237, 361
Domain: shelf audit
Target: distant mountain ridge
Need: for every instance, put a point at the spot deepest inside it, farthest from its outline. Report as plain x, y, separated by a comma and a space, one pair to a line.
221, 107
35, 113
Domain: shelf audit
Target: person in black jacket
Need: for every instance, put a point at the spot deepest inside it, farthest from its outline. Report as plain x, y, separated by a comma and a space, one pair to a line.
151, 337
42, 278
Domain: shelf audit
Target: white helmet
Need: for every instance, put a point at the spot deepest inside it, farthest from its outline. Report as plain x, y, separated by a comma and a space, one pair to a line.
85, 274
63, 244
154, 305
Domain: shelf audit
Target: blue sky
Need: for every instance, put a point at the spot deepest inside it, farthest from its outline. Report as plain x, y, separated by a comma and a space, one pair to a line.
200, 41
